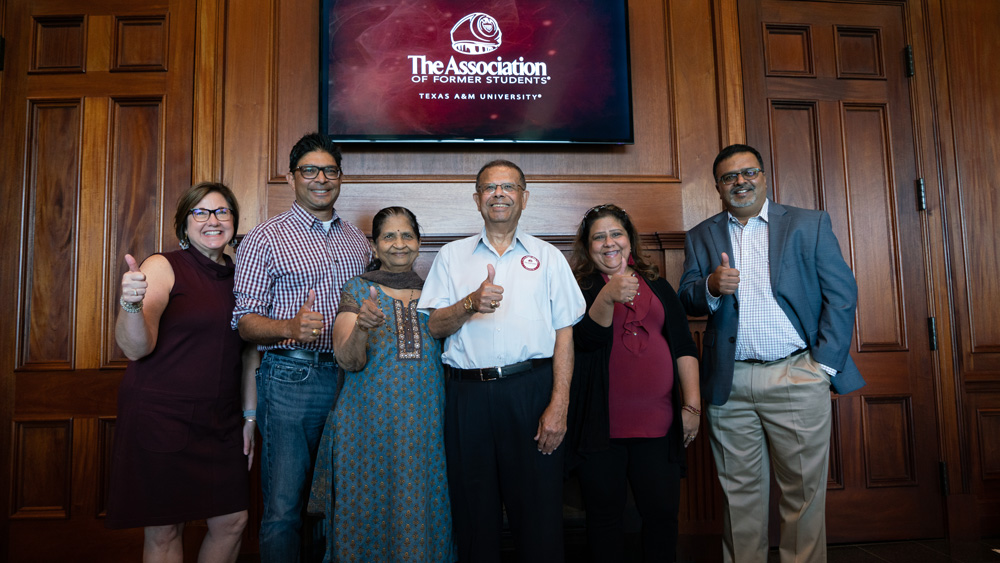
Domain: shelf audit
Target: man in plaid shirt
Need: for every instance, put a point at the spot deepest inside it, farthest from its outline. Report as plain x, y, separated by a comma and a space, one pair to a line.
289, 272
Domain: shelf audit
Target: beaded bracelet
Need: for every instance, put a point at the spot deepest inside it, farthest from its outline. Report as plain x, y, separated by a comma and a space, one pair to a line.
129, 307
692, 410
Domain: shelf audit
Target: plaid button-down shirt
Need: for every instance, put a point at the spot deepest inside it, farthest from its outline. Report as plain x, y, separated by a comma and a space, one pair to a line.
281, 259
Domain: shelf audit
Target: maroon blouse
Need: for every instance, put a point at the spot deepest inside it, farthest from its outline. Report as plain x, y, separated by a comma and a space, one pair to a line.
641, 370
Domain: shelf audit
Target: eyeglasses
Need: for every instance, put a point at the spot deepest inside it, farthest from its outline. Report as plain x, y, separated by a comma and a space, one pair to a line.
310, 172
729, 178
490, 189
201, 214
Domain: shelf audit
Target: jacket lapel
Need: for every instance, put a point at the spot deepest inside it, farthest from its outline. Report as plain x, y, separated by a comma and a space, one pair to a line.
777, 226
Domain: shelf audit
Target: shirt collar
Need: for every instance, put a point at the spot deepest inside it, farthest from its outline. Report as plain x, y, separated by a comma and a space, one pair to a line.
519, 237
762, 214
308, 219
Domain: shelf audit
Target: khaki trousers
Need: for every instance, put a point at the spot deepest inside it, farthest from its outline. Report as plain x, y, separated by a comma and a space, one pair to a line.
778, 414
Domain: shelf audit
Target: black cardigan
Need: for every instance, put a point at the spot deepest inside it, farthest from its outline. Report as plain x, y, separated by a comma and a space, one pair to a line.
589, 428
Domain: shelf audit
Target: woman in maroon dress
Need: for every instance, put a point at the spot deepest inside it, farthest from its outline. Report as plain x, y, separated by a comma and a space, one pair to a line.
181, 452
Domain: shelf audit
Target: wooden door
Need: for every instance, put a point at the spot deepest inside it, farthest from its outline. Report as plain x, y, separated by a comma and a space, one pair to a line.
96, 127
827, 103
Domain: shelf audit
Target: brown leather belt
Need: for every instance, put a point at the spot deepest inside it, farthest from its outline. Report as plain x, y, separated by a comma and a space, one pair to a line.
499, 372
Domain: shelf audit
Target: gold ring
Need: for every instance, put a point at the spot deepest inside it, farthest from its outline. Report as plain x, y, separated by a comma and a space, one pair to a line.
494, 304
315, 332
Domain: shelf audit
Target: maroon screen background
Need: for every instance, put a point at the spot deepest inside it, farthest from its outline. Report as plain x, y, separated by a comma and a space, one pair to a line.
371, 93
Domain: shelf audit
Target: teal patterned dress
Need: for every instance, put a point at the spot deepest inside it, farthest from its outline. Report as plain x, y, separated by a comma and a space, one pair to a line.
385, 446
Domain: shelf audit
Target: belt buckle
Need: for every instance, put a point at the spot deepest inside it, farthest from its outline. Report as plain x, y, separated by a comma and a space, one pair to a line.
490, 374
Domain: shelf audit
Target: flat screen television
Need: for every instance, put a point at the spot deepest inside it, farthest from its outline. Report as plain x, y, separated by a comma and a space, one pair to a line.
537, 71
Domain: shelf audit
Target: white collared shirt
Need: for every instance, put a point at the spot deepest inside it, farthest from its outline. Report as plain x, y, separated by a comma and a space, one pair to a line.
540, 296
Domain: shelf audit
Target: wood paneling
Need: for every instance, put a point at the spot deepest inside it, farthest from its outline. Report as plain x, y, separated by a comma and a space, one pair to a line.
890, 460
859, 52
140, 43
969, 109
53, 161
42, 469
871, 200
137, 148
58, 44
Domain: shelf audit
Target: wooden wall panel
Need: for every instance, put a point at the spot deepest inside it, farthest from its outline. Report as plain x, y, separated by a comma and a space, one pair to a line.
788, 50
42, 463
859, 52
796, 178
871, 199
889, 441
136, 190
989, 442
55, 128
58, 44
140, 43
977, 149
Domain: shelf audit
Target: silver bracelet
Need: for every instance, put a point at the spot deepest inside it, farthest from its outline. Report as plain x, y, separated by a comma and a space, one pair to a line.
129, 307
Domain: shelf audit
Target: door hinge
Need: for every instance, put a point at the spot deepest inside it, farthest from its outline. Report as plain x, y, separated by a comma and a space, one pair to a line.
921, 195
945, 484
932, 332
911, 68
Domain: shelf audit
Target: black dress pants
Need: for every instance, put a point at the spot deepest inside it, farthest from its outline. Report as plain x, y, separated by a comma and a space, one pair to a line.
494, 463
604, 476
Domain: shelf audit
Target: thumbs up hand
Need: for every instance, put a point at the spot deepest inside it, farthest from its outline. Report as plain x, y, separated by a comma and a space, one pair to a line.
487, 298
306, 325
371, 315
133, 282
724, 280
622, 287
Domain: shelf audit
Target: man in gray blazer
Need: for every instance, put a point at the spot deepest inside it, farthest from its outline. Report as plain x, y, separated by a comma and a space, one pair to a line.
780, 302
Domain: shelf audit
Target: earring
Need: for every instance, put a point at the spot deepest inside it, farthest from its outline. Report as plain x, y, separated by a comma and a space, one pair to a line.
233, 242
185, 244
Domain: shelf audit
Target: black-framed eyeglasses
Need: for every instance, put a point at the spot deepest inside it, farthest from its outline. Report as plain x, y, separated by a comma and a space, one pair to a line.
729, 178
201, 214
310, 172
490, 189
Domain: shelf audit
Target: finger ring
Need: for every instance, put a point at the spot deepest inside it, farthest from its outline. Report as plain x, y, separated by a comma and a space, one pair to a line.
135, 291
494, 304
315, 332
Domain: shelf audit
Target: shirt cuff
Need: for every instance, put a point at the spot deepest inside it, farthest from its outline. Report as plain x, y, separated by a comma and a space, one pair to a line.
829, 370
713, 301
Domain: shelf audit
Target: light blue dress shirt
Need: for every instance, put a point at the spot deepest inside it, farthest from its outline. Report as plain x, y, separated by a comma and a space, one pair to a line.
540, 296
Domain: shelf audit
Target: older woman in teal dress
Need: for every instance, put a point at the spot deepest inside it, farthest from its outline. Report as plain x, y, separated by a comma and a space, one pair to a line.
387, 464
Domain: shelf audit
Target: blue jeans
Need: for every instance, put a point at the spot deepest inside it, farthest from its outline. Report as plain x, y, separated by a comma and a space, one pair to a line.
293, 399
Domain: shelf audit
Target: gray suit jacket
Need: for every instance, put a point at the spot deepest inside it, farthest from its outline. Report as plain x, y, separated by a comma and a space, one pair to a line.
809, 279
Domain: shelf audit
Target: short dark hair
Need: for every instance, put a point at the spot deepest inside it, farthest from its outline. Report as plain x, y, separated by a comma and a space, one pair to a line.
313, 142
196, 193
730, 151
583, 265
378, 223
501, 163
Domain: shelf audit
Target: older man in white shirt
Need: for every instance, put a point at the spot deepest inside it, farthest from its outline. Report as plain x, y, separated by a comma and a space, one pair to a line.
506, 302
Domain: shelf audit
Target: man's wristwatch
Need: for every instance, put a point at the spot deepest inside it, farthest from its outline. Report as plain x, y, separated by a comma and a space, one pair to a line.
468, 304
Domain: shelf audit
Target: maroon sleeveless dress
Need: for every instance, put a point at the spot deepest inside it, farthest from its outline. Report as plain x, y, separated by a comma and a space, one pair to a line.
178, 444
